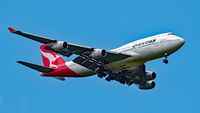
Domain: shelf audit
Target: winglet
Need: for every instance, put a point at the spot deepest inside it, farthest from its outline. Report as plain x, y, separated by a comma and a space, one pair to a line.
11, 29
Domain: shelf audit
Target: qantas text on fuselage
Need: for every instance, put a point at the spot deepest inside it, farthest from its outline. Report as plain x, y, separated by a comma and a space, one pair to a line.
125, 64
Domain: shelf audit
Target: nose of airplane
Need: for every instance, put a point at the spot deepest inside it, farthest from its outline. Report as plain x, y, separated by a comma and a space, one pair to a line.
178, 42
181, 41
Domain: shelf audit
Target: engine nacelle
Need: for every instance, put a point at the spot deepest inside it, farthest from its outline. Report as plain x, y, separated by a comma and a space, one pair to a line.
59, 45
148, 85
149, 75
98, 53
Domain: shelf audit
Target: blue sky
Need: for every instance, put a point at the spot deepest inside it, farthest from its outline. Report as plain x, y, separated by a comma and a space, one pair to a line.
103, 24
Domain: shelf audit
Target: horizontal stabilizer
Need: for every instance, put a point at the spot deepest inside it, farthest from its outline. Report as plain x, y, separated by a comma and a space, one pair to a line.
36, 67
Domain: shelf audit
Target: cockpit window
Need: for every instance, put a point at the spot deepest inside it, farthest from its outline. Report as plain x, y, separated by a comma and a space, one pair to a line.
170, 33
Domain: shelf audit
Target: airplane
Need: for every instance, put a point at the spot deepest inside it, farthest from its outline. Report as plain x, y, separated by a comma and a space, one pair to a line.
125, 64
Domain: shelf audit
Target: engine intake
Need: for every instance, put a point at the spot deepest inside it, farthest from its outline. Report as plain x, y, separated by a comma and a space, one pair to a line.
98, 53
59, 45
148, 85
149, 75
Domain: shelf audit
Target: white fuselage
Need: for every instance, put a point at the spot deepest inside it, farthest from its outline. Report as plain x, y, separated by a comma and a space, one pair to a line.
140, 51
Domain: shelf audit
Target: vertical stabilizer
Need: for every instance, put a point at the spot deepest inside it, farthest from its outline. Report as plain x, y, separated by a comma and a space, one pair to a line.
51, 59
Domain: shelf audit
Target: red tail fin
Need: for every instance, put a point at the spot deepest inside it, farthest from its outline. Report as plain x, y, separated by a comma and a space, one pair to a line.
51, 59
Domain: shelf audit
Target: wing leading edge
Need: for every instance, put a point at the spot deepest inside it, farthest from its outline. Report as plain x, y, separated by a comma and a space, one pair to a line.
74, 49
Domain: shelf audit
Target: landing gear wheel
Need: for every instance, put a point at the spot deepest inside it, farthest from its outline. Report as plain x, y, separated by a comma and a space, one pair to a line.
101, 72
108, 79
165, 61
130, 83
123, 82
100, 76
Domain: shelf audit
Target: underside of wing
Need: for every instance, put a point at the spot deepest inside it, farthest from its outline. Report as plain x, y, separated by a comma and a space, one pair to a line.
88, 57
94, 63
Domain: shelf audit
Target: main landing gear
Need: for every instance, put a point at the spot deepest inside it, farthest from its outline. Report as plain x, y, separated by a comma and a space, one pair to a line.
123, 76
165, 60
102, 72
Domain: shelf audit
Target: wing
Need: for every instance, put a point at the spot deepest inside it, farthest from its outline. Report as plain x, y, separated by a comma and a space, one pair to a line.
84, 52
30, 36
136, 75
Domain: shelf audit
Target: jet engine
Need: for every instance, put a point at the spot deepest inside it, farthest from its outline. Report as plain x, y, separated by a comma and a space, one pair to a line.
149, 75
98, 53
59, 45
148, 85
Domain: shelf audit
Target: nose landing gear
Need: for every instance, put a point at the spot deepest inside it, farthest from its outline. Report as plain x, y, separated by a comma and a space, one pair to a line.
165, 60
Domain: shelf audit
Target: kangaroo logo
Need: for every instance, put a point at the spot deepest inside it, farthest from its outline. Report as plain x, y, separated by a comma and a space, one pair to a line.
51, 58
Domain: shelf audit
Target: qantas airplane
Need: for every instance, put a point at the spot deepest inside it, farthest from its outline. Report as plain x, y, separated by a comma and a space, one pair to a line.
125, 64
